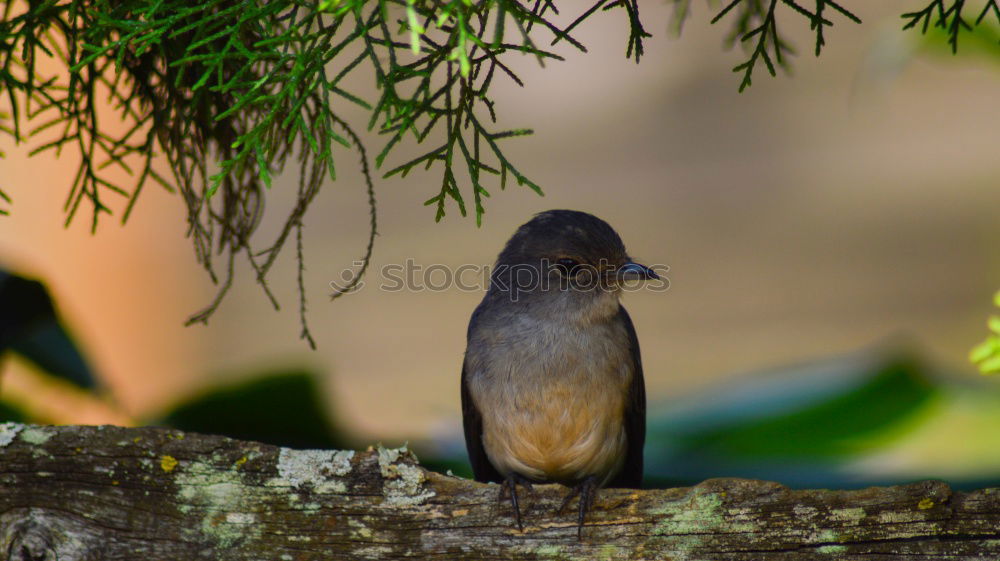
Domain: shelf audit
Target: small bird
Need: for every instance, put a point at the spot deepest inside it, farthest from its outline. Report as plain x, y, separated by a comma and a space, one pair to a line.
552, 384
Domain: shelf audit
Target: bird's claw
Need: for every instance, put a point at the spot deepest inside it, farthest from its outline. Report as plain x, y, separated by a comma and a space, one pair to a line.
509, 486
587, 490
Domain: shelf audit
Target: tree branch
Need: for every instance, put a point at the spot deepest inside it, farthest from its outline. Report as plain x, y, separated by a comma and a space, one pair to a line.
75, 493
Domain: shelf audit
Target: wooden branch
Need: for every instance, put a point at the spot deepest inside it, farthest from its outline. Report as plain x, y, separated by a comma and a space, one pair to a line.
110, 493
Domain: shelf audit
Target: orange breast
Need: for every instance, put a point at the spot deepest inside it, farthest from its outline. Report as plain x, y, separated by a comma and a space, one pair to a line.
563, 433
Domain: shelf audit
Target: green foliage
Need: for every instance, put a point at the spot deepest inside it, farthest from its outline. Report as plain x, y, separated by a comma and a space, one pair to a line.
281, 408
858, 421
755, 27
950, 17
983, 41
10, 412
865, 419
31, 327
986, 355
229, 92
3, 196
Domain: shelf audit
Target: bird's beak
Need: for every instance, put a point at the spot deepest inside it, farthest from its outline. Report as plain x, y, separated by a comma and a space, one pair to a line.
635, 271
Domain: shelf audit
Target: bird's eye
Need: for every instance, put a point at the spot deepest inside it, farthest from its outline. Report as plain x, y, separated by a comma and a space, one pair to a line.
568, 266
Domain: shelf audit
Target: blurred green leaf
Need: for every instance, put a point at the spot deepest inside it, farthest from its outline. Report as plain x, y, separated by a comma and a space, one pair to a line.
284, 409
868, 419
984, 350
990, 365
981, 40
30, 326
11, 412
849, 424
986, 355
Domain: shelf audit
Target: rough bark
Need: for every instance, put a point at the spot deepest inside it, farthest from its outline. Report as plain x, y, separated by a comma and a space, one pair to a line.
108, 493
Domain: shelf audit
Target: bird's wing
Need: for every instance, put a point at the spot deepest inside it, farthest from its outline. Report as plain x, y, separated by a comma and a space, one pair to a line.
472, 421
635, 414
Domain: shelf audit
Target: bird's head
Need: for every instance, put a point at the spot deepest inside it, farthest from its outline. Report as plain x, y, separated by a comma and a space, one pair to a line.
566, 251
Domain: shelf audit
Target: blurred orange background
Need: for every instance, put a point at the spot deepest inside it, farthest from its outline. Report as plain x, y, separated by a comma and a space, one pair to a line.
812, 215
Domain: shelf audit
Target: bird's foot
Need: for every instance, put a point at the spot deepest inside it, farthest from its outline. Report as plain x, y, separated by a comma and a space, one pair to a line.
509, 486
587, 490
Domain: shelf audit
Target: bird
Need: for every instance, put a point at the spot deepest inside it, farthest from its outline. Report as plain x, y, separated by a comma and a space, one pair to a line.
552, 385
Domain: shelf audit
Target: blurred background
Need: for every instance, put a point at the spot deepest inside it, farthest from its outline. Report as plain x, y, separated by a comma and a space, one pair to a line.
832, 239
